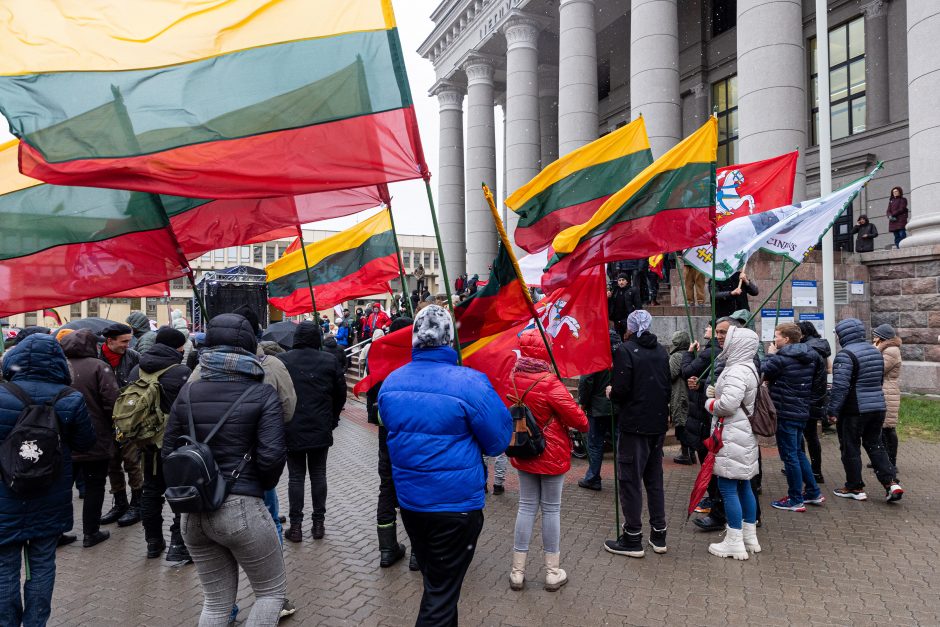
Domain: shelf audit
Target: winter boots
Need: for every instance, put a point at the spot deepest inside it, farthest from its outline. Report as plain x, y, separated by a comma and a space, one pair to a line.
686, 457
155, 547
177, 552
517, 574
132, 515
731, 546
118, 509
555, 577
317, 529
749, 530
390, 549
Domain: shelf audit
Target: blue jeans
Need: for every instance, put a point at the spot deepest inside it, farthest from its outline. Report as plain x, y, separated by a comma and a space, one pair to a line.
898, 236
270, 501
740, 504
37, 591
600, 427
795, 462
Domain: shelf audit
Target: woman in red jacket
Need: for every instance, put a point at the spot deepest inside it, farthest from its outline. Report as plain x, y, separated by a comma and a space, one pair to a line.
541, 478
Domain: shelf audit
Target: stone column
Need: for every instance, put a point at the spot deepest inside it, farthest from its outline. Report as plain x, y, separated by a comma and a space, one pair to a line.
523, 138
772, 82
548, 114
654, 71
923, 87
876, 63
480, 165
450, 184
577, 75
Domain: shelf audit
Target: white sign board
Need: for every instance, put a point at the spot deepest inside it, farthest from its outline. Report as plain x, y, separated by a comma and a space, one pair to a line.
817, 320
804, 294
768, 320
858, 287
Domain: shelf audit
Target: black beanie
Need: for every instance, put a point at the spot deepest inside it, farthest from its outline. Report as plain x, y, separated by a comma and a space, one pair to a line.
308, 335
170, 337
251, 317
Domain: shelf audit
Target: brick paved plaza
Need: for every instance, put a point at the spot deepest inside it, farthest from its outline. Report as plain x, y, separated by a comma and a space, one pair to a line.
848, 563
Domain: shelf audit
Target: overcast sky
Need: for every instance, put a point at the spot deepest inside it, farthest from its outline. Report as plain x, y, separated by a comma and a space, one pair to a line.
409, 198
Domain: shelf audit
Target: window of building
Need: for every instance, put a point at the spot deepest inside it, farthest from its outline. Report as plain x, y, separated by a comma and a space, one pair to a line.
427, 261
724, 16
406, 258
434, 260
245, 255
179, 284
281, 248
31, 319
219, 255
93, 308
75, 311
257, 254
725, 102
846, 80
152, 308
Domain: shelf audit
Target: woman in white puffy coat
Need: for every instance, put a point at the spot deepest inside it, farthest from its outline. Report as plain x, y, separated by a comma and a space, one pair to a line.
736, 462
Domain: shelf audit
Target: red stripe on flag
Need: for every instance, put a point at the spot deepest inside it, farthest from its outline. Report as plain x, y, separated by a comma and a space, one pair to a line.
541, 234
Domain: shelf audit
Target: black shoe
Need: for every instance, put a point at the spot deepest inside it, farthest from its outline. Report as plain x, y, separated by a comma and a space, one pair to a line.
294, 533
66, 538
683, 460
658, 540
96, 538
178, 553
118, 509
413, 562
498, 489
629, 544
317, 529
155, 547
282, 519
132, 515
819, 478
390, 549
590, 485
709, 523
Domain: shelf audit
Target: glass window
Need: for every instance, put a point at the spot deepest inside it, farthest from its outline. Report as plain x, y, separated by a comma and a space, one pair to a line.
31, 318
846, 80
270, 253
725, 101
427, 261
246, 254
724, 15
219, 254
406, 258
75, 311
93, 308
257, 254
151, 307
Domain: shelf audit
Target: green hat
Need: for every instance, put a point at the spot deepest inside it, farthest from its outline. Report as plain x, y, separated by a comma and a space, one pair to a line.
741, 314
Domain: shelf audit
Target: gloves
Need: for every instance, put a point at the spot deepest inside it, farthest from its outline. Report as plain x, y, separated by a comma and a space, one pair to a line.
710, 391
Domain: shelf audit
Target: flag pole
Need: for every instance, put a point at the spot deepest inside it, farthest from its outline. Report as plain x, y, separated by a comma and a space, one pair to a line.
825, 168
504, 238
616, 490
783, 268
401, 265
303, 247
440, 252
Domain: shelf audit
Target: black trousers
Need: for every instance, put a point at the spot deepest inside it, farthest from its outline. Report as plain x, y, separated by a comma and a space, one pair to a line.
298, 462
640, 462
151, 498
443, 543
386, 509
813, 447
889, 435
95, 473
856, 432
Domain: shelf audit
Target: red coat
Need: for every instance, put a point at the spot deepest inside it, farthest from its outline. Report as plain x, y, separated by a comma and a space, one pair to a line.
548, 399
378, 320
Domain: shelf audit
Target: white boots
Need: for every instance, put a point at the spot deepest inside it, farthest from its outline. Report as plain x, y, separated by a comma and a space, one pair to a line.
517, 574
555, 577
749, 530
731, 546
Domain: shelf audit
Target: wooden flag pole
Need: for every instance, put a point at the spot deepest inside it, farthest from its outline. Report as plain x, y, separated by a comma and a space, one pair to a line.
440, 252
504, 238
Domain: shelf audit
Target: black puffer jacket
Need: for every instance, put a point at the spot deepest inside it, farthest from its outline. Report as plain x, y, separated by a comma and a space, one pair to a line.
157, 358
856, 392
695, 366
817, 407
321, 390
791, 373
727, 303
641, 385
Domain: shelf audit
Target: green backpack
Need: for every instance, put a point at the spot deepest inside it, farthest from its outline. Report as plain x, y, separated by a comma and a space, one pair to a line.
137, 415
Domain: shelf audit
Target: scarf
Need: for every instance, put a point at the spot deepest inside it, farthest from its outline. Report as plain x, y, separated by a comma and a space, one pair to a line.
110, 356
228, 363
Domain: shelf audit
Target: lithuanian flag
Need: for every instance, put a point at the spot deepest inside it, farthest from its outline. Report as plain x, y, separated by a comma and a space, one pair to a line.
245, 99
353, 263
668, 206
570, 190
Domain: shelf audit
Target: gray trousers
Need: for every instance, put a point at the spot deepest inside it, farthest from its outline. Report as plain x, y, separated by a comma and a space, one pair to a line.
539, 492
240, 533
500, 463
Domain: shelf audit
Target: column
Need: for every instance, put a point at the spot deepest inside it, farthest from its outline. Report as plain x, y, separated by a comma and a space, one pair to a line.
450, 184
480, 165
577, 75
771, 82
923, 86
654, 71
548, 114
523, 138
876, 63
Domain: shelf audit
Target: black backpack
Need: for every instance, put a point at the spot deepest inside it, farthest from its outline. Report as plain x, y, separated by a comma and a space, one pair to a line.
527, 441
31, 455
194, 482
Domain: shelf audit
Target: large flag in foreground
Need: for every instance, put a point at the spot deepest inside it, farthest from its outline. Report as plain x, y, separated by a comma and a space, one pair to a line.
668, 206
744, 190
239, 99
569, 191
353, 263
789, 231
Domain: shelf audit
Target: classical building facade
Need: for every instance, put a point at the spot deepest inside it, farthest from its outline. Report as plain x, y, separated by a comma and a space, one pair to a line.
564, 72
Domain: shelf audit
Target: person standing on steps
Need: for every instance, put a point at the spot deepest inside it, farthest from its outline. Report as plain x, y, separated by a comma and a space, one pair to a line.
592, 395
640, 386
622, 300
888, 342
898, 214
865, 233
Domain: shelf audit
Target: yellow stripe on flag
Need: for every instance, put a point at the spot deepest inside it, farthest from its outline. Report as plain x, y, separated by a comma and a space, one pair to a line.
318, 251
624, 141
10, 178
483, 342
699, 147
114, 35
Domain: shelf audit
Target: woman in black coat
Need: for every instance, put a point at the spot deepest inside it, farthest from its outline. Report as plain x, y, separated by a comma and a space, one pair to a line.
865, 234
320, 385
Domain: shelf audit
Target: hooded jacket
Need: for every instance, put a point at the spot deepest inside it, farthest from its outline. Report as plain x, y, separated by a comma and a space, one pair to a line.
791, 373
817, 407
38, 366
441, 419
144, 337
551, 405
98, 385
320, 386
856, 390
735, 394
641, 386
679, 394
160, 357
891, 352
592, 389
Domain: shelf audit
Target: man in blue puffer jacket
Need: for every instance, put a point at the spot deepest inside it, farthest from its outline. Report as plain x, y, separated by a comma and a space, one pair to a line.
32, 525
858, 403
441, 419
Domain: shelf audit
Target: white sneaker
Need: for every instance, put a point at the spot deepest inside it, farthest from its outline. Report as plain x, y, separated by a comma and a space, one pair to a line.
731, 546
749, 532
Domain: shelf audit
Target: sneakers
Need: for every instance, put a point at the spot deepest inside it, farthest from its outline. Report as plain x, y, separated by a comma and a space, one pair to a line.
704, 506
788, 504
629, 544
287, 609
845, 493
819, 500
658, 540
894, 492
498, 489
589, 485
